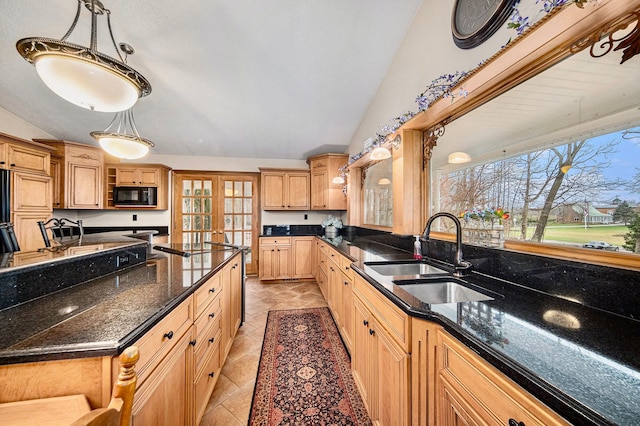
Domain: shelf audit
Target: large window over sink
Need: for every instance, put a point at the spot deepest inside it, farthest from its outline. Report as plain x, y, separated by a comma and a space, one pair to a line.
581, 193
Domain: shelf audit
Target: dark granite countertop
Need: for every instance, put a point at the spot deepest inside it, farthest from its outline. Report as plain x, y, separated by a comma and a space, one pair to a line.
582, 362
102, 316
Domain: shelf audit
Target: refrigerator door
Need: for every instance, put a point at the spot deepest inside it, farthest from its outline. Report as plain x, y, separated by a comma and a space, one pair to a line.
5, 196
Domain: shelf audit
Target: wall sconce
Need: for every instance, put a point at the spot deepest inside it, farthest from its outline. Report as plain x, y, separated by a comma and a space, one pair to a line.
382, 153
459, 157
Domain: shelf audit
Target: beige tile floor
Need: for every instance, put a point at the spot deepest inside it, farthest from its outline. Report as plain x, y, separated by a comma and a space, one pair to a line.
231, 400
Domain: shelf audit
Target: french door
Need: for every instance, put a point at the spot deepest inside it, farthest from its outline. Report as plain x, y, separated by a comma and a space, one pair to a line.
217, 207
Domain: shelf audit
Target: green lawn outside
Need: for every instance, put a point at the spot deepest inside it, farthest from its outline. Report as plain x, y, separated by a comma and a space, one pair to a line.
612, 234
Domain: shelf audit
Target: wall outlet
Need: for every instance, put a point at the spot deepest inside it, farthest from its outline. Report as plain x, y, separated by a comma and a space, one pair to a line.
135, 217
306, 216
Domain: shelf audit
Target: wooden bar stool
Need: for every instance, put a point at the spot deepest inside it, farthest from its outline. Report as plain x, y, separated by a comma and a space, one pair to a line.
74, 409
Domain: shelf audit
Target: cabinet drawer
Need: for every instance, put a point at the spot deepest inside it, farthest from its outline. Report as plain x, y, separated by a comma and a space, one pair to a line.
345, 264
389, 316
488, 392
275, 240
208, 291
157, 343
207, 328
206, 380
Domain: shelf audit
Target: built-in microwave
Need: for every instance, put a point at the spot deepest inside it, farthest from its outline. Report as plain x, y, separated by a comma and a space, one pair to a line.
135, 196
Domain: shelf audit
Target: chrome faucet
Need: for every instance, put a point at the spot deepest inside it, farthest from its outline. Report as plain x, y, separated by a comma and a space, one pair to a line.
460, 266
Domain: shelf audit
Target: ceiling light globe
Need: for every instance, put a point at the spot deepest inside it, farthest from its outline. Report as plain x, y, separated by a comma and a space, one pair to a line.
459, 158
122, 147
380, 153
86, 83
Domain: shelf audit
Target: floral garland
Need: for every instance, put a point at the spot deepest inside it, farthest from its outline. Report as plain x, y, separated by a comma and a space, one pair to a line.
442, 87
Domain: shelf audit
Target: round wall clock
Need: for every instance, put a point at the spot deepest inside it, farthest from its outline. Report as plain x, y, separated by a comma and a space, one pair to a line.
474, 21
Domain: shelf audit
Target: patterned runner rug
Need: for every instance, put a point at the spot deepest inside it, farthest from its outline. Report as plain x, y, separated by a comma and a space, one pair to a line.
304, 376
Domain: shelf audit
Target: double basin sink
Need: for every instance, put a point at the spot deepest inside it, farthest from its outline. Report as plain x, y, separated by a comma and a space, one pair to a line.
428, 283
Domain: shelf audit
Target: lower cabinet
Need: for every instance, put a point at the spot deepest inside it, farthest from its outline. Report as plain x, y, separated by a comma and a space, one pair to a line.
286, 258
165, 397
380, 369
179, 369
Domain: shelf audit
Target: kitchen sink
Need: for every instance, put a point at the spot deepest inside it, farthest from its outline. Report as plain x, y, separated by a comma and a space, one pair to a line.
434, 291
404, 268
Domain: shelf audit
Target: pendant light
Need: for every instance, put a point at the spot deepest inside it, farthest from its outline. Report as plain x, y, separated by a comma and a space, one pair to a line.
121, 138
83, 75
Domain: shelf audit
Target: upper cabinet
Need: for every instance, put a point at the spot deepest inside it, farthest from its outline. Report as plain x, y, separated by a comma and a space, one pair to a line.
143, 175
20, 155
325, 194
78, 175
285, 189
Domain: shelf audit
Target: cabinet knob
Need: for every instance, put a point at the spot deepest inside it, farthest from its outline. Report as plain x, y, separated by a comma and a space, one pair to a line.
212, 290
212, 339
168, 335
12, 164
346, 283
193, 342
514, 422
372, 332
365, 322
2, 162
213, 373
212, 314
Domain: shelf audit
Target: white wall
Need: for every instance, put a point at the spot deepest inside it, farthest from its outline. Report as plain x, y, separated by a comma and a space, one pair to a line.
13, 125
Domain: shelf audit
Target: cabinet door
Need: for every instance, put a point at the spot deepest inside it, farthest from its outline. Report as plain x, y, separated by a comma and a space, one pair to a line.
335, 292
165, 398
363, 355
126, 176
298, 191
149, 177
56, 182
25, 226
267, 263
27, 159
319, 188
273, 191
346, 313
454, 409
85, 186
31, 192
4, 163
302, 257
391, 377
283, 262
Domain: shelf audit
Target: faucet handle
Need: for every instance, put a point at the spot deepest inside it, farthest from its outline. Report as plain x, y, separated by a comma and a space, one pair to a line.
461, 269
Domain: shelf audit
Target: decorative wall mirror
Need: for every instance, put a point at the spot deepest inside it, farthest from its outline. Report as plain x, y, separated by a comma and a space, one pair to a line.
561, 147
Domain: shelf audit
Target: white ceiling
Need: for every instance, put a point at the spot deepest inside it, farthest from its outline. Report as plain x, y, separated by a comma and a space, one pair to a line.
263, 79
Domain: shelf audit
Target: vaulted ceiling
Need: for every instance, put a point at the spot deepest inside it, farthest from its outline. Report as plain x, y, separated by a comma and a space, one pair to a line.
264, 79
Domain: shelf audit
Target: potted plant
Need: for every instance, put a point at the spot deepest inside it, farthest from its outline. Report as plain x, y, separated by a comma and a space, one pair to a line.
331, 226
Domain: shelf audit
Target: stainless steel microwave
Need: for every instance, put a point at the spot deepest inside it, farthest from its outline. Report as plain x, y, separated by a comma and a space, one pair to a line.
135, 196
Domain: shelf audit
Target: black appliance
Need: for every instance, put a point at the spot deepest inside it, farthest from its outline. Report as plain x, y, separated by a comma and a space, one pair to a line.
135, 196
8, 241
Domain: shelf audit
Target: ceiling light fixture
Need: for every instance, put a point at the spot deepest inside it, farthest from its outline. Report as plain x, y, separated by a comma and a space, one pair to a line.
384, 181
380, 153
459, 157
82, 75
121, 138
565, 167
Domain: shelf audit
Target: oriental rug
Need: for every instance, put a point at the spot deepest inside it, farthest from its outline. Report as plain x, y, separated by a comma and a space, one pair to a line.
304, 374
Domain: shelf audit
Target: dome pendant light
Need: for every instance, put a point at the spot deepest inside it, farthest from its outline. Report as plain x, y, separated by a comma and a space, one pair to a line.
82, 75
121, 138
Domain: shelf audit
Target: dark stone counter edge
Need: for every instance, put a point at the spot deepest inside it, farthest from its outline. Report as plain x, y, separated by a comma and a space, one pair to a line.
116, 347
568, 407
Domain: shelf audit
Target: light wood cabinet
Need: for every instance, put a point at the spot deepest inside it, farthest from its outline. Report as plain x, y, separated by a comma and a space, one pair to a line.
275, 258
232, 304
153, 175
468, 389
325, 194
285, 189
81, 178
286, 258
380, 365
31, 196
302, 257
136, 176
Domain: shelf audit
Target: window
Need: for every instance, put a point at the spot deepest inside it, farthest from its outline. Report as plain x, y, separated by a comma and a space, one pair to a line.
378, 194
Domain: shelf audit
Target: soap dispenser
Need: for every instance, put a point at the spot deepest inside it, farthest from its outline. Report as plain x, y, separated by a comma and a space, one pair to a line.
417, 248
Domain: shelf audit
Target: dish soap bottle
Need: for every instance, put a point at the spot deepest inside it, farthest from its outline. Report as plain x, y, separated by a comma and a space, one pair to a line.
417, 248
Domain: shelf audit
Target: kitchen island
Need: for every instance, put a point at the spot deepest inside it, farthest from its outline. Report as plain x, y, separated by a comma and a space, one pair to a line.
181, 311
